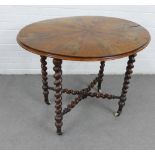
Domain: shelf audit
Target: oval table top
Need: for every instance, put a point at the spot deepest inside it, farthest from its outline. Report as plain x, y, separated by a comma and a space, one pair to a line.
84, 38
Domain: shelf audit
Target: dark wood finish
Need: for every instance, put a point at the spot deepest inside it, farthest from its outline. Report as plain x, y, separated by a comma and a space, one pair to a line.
126, 83
87, 38
73, 104
84, 90
100, 75
81, 95
44, 79
86, 93
58, 94
78, 92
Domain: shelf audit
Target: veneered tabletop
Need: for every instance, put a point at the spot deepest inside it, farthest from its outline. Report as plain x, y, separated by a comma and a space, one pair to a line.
85, 38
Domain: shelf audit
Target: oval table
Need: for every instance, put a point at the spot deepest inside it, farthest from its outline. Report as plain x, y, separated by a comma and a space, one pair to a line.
84, 38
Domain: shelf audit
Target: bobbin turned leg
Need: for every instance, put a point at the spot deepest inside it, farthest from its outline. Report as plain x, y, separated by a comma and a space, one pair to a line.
44, 79
100, 75
126, 83
58, 94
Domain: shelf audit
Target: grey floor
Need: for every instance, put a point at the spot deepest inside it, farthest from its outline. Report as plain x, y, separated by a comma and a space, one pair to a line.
27, 123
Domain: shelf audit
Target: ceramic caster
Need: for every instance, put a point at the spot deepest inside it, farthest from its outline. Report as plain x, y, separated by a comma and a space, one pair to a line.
116, 114
99, 90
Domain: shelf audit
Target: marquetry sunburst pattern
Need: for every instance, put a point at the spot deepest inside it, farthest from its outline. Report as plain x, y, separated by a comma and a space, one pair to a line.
84, 38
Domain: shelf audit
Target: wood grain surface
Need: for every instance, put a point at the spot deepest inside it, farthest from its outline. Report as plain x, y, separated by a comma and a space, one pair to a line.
84, 38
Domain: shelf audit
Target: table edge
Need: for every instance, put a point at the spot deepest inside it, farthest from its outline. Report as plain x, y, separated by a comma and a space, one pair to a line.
70, 58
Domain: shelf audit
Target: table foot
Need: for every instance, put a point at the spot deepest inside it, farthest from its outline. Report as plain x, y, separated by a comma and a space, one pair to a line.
59, 132
47, 102
99, 90
116, 114
119, 111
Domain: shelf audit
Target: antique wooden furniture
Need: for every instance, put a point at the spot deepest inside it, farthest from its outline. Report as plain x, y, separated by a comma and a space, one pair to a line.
87, 38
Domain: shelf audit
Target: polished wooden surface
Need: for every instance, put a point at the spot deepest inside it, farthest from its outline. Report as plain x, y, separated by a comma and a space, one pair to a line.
87, 38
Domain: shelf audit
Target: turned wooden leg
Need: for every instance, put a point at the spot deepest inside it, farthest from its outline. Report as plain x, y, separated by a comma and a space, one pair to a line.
44, 79
100, 75
58, 94
126, 83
